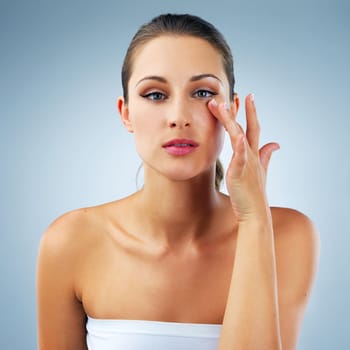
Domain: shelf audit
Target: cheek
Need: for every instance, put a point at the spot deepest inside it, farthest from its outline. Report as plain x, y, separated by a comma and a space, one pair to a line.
144, 121
147, 129
201, 114
213, 129
220, 137
206, 121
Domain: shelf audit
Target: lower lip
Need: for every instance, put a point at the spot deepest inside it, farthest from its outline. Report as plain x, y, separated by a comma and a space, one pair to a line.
179, 151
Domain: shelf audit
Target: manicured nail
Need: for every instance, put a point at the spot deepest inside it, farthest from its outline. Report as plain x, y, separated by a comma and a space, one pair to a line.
252, 98
213, 102
226, 106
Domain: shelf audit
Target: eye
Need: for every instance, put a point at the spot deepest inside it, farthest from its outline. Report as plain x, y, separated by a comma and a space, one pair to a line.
204, 93
155, 96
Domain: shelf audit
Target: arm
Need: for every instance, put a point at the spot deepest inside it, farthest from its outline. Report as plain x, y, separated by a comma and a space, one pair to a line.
61, 318
251, 318
256, 316
297, 253
255, 289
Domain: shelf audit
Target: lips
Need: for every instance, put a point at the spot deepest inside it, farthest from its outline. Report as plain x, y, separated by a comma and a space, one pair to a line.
181, 143
180, 147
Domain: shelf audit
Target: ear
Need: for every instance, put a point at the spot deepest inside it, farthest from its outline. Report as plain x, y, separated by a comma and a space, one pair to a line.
235, 103
123, 110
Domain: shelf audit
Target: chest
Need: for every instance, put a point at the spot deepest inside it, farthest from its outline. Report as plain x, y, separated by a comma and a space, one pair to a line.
174, 288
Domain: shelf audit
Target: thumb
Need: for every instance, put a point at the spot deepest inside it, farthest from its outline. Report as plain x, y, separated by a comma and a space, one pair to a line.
265, 153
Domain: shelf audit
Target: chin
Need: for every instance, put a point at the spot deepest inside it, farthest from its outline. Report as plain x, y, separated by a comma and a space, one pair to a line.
187, 173
181, 169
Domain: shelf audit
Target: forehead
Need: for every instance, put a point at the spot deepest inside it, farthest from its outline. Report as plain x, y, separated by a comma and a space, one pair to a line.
177, 56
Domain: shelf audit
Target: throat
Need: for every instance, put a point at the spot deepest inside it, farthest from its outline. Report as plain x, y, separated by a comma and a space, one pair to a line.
176, 219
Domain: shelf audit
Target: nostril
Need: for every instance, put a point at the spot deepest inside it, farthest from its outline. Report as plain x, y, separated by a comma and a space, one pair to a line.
175, 124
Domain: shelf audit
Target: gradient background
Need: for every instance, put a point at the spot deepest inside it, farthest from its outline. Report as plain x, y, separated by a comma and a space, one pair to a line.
64, 147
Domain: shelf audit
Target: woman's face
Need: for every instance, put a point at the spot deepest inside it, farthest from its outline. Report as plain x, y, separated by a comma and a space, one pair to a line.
173, 79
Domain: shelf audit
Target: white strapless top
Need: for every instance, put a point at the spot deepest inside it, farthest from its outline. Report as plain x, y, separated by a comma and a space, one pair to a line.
104, 334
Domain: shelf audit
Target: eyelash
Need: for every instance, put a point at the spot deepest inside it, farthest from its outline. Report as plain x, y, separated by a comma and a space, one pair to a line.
152, 94
212, 93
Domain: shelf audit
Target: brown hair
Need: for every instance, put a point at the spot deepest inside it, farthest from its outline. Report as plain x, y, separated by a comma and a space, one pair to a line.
181, 24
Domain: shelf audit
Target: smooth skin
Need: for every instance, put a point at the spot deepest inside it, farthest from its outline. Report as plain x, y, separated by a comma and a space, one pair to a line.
178, 250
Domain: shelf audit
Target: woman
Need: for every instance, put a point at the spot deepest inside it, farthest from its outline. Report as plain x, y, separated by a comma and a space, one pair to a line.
178, 264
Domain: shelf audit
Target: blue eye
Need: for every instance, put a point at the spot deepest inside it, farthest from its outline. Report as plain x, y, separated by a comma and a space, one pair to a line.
155, 96
204, 93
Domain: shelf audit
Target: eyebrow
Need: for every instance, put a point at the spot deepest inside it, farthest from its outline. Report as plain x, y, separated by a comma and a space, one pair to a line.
152, 77
203, 76
193, 78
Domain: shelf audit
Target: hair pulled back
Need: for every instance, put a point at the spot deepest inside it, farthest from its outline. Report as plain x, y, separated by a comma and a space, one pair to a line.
186, 25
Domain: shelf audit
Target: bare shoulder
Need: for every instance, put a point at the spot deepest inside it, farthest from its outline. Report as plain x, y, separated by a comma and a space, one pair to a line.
79, 232
63, 248
294, 227
297, 245
69, 231
290, 220
72, 242
64, 244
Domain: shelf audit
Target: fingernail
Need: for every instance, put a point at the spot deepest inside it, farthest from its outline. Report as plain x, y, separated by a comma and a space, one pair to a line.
252, 98
226, 106
213, 102
277, 147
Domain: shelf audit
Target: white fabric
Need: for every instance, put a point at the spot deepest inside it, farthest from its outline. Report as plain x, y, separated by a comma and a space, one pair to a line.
104, 334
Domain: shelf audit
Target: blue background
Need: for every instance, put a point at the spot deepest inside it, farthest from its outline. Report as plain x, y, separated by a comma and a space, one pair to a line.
62, 145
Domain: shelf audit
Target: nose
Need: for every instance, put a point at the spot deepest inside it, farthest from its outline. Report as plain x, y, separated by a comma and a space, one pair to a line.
179, 115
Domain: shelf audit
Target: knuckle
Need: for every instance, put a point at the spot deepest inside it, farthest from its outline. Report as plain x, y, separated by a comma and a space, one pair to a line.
241, 161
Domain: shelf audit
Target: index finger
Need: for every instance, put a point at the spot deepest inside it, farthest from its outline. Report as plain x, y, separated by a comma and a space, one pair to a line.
221, 111
253, 127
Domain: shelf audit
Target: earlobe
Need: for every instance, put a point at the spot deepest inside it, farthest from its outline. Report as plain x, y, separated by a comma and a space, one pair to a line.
123, 110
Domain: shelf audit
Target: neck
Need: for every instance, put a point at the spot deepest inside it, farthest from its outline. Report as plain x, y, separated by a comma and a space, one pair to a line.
176, 213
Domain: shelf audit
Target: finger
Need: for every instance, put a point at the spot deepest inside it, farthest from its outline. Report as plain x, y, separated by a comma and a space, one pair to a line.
265, 153
239, 158
253, 127
221, 111
239, 126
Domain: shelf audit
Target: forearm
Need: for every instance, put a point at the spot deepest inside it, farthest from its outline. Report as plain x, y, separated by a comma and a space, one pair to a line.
251, 320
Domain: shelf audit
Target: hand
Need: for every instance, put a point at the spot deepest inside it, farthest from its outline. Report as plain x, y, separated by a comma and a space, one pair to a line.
246, 173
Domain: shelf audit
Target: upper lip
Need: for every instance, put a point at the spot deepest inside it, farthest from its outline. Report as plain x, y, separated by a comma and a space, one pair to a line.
181, 141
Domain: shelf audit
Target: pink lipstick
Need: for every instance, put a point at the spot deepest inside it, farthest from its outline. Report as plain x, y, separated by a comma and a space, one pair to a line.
180, 147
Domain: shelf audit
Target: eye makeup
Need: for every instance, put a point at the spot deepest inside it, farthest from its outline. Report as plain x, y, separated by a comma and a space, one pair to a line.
154, 96
157, 88
204, 93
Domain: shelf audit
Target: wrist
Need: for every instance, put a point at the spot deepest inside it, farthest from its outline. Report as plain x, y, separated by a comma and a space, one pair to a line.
261, 219
259, 212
